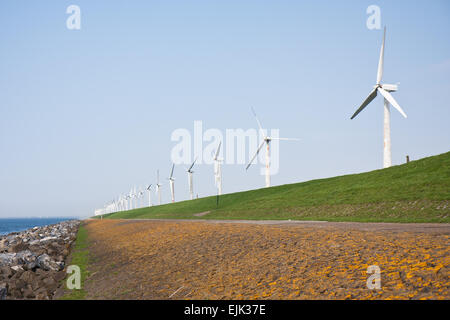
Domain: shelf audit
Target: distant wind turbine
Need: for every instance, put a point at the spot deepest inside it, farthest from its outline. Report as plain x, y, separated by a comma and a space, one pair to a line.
384, 90
266, 140
158, 187
190, 179
171, 182
149, 189
141, 195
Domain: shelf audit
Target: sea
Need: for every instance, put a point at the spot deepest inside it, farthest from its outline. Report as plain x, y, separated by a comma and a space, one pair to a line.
8, 225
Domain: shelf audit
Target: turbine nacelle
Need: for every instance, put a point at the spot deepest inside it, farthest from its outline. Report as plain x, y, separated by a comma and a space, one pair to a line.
387, 87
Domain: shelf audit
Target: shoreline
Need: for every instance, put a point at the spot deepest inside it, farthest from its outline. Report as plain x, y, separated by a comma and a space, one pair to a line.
33, 261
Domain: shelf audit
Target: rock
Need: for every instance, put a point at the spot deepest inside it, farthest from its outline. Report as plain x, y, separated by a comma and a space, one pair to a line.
49, 282
3, 291
46, 263
28, 277
17, 284
6, 258
41, 294
28, 293
6, 272
15, 293
21, 246
59, 276
32, 261
25, 257
17, 269
3, 245
48, 239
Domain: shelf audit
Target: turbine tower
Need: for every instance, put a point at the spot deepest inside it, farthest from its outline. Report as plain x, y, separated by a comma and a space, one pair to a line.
158, 187
135, 196
171, 182
131, 199
266, 140
141, 195
384, 90
149, 190
218, 170
190, 178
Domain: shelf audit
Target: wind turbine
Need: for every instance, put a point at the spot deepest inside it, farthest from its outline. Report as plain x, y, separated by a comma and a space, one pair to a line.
158, 187
190, 173
141, 195
135, 196
125, 198
171, 182
149, 195
218, 170
130, 196
384, 90
266, 140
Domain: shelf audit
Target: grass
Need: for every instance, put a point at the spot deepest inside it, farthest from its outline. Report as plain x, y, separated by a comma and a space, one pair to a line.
79, 258
418, 191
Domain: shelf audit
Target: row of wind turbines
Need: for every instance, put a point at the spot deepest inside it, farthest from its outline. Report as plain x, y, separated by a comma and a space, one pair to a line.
131, 200
134, 199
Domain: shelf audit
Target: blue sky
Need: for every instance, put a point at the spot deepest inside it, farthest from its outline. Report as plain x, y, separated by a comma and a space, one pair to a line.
87, 114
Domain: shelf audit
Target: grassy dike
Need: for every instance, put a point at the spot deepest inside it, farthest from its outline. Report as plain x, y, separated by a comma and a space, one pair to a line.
80, 258
418, 191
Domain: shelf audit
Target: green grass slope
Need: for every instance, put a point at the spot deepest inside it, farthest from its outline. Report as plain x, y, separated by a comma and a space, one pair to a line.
415, 192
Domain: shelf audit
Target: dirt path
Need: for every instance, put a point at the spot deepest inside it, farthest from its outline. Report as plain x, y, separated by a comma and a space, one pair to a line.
171, 259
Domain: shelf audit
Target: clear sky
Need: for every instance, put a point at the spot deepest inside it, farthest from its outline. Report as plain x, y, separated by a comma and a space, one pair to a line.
87, 114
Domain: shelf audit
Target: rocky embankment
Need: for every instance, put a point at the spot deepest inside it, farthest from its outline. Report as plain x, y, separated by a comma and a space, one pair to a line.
32, 262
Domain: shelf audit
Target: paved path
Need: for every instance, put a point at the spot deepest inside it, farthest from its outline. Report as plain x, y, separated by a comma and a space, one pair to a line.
440, 228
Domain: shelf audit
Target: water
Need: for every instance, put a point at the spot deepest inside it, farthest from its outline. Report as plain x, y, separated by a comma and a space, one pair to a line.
8, 225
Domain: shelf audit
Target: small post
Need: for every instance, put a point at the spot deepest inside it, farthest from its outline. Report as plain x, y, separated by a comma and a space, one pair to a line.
407, 159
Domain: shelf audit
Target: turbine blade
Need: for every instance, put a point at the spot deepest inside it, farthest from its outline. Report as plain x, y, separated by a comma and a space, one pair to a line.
286, 139
192, 164
171, 172
259, 123
218, 150
257, 151
371, 96
392, 101
381, 61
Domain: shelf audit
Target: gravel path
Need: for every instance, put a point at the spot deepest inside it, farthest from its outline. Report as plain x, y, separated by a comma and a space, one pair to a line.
207, 259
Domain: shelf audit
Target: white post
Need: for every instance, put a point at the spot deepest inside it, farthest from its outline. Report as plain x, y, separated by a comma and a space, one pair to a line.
159, 195
268, 164
387, 161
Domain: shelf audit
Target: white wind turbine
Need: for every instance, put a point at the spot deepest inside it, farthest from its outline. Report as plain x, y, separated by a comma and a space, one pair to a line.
130, 197
135, 196
266, 140
171, 182
190, 179
149, 189
141, 195
218, 170
384, 90
158, 187
125, 198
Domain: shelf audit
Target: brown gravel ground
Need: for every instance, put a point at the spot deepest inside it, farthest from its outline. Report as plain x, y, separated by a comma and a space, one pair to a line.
137, 259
